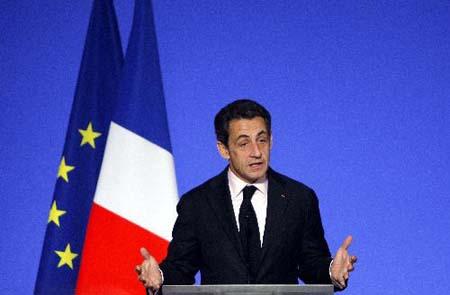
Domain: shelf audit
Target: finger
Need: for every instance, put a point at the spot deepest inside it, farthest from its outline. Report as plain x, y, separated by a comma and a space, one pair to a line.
148, 284
145, 253
336, 281
353, 259
346, 276
142, 278
138, 269
341, 283
347, 242
151, 290
351, 268
154, 286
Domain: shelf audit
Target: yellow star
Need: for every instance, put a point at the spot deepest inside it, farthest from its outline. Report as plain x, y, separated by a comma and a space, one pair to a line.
55, 214
66, 257
89, 136
64, 169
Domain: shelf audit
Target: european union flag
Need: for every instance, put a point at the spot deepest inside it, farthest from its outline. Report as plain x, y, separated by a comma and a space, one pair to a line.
80, 162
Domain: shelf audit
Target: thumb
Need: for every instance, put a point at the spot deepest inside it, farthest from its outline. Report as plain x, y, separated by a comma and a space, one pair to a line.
145, 253
347, 242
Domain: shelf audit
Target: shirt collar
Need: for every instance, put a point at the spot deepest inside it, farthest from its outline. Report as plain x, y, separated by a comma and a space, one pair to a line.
237, 185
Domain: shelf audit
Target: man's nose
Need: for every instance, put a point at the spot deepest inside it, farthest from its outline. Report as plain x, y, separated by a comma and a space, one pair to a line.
256, 151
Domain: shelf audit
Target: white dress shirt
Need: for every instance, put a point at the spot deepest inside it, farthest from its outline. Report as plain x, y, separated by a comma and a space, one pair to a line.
259, 199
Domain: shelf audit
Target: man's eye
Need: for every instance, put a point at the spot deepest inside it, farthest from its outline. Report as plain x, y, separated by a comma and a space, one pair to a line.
243, 144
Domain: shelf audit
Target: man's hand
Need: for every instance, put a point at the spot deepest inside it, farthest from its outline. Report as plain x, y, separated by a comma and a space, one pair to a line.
342, 264
148, 272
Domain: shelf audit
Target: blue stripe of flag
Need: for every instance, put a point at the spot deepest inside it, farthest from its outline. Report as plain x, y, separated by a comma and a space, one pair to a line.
142, 107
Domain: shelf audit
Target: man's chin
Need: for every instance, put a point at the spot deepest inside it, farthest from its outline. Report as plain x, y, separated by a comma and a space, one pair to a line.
259, 176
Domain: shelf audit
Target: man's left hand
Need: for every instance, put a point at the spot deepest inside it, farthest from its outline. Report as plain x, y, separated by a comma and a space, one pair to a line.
342, 264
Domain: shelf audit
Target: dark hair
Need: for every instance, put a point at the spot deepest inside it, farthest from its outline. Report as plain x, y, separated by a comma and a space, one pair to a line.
238, 109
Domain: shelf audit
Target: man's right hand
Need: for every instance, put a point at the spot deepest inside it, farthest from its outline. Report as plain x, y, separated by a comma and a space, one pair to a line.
148, 272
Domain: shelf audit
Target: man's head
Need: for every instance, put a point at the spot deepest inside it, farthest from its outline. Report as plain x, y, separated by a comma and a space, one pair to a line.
244, 138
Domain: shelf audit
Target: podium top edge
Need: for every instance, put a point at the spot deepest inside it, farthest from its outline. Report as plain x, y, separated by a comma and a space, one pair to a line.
254, 285
248, 289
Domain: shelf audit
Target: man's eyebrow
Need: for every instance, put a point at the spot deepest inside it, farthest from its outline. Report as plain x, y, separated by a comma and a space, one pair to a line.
262, 132
242, 136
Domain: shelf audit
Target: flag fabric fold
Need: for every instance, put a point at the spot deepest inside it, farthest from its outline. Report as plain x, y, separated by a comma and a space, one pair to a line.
80, 163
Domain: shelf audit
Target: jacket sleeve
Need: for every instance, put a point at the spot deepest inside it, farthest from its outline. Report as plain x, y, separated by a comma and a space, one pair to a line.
183, 258
314, 258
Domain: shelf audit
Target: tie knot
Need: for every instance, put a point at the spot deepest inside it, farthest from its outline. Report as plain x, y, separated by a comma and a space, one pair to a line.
248, 191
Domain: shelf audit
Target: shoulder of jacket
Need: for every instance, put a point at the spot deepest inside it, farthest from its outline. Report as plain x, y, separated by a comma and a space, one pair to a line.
203, 189
290, 183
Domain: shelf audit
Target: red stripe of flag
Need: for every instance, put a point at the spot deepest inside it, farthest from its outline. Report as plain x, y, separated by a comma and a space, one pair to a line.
111, 252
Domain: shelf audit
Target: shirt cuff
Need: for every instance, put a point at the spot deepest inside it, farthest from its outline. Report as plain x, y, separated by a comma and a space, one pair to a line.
334, 282
162, 276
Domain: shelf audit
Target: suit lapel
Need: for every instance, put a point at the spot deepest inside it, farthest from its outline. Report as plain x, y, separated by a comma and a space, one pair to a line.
277, 201
220, 201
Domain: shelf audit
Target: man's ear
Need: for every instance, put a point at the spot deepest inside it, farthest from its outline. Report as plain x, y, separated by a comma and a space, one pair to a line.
271, 141
223, 150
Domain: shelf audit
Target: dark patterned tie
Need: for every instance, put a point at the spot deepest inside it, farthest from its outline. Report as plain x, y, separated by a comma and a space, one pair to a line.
249, 232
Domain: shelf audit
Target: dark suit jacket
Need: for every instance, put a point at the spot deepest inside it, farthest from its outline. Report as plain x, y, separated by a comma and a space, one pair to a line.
206, 238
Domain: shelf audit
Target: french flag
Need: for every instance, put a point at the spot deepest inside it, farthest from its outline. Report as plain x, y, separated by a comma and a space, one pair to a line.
136, 195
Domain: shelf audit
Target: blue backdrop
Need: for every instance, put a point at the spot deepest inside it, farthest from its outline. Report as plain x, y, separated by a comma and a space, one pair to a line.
359, 93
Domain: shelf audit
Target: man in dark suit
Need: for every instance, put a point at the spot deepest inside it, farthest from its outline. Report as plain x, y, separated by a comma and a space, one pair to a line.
249, 224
